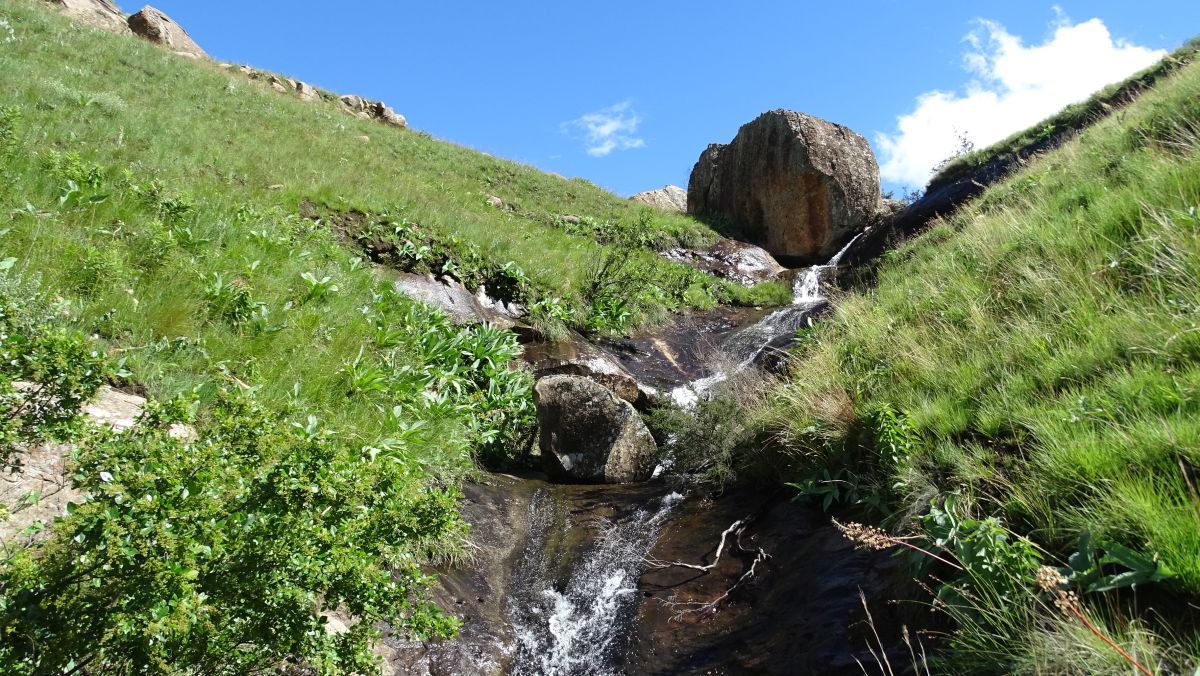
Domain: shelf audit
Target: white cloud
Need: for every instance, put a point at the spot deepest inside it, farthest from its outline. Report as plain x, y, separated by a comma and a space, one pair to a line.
609, 129
1013, 87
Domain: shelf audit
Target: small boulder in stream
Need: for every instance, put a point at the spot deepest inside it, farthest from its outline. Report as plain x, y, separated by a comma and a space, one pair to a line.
589, 434
578, 357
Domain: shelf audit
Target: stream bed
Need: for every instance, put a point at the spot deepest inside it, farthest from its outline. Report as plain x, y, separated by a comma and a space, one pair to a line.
573, 580
563, 584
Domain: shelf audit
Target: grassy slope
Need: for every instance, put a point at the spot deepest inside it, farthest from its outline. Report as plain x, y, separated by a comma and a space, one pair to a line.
1043, 344
136, 269
232, 142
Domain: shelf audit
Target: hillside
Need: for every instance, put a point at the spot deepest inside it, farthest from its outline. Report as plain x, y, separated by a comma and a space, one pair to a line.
172, 228
1010, 398
1018, 390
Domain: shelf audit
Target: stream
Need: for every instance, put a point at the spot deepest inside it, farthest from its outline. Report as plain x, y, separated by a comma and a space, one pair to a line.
580, 625
562, 583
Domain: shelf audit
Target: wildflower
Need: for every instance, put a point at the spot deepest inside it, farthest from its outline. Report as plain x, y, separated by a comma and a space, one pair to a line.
865, 537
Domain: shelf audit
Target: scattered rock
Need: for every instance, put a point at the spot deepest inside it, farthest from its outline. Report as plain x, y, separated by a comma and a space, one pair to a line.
278, 86
496, 202
307, 92
573, 220
738, 262
160, 29
364, 138
668, 198
796, 184
98, 13
589, 434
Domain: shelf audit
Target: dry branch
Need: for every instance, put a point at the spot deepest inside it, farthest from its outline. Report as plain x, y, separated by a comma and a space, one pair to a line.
736, 529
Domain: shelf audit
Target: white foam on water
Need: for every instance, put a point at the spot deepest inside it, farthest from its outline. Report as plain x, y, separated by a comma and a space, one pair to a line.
744, 347
574, 631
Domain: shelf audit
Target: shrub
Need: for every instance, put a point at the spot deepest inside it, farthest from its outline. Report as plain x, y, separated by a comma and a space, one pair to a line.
231, 300
219, 554
94, 268
10, 119
700, 446
46, 374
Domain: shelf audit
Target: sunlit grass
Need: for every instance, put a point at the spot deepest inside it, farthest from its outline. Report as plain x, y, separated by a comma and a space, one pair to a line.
1045, 344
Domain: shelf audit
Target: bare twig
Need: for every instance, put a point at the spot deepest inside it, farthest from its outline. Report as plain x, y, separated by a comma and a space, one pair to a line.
735, 529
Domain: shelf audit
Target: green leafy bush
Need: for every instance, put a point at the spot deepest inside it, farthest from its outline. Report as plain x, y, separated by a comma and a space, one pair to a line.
992, 558
46, 374
702, 444
220, 553
229, 300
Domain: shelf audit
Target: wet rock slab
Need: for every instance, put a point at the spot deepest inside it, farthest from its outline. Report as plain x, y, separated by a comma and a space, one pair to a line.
526, 534
463, 306
801, 614
738, 262
681, 350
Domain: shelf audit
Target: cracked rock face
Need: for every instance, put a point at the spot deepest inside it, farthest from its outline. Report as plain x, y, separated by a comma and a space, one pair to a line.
795, 184
99, 13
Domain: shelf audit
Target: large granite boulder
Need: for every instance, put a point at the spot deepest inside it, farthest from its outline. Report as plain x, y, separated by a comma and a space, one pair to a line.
99, 13
161, 29
793, 183
589, 434
667, 198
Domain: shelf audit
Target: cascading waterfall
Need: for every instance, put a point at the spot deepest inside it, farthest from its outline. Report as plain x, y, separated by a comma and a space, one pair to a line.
578, 627
743, 348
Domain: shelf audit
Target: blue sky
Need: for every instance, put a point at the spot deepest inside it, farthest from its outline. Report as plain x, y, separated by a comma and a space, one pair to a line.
655, 82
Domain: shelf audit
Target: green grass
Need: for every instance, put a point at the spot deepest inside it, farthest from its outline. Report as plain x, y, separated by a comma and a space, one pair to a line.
140, 183
1070, 119
233, 143
1043, 346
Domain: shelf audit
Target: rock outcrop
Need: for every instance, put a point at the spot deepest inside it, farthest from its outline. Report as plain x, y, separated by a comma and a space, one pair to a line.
42, 470
458, 302
738, 262
306, 92
153, 25
372, 110
668, 198
99, 13
589, 434
793, 183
